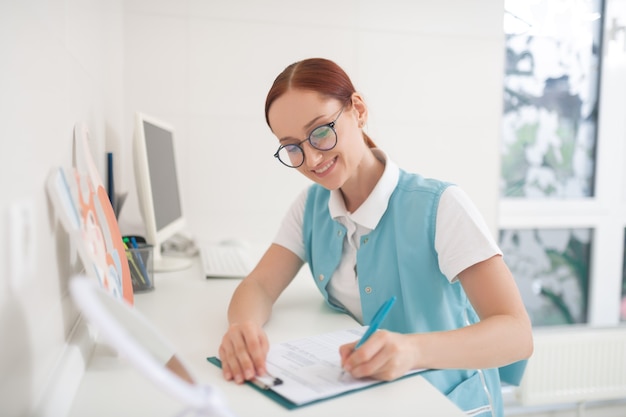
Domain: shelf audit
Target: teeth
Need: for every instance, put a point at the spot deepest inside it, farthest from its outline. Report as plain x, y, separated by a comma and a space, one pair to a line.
325, 167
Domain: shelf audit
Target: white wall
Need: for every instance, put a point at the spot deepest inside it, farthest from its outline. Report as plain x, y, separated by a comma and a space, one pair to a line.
60, 63
430, 71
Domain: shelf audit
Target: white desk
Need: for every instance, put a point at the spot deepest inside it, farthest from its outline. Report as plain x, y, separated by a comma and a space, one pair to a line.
191, 312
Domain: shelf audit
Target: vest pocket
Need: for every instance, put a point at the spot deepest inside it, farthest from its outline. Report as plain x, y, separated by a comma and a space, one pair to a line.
471, 396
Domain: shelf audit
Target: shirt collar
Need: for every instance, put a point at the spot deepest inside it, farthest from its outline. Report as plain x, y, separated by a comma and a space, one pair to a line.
373, 208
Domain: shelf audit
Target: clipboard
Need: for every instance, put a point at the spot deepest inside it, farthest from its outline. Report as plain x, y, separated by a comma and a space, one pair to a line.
267, 392
290, 405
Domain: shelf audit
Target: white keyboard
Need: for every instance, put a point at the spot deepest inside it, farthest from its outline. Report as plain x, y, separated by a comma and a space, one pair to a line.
224, 261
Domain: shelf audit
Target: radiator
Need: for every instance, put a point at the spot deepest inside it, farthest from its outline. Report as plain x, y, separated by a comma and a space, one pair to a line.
575, 365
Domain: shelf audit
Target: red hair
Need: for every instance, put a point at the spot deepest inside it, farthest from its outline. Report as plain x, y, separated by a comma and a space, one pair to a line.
315, 74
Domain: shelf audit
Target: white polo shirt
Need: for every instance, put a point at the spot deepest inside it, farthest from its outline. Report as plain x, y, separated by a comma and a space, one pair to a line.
462, 237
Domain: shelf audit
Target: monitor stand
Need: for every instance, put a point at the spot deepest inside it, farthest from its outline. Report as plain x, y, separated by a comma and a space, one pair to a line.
170, 263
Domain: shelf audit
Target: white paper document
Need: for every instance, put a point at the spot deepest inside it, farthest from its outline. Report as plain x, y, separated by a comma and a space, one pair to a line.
309, 369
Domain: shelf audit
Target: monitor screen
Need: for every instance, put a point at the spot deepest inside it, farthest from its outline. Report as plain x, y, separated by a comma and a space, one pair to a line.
158, 191
163, 175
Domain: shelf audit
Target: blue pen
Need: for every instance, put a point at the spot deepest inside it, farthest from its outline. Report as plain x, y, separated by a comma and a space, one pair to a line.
378, 319
144, 271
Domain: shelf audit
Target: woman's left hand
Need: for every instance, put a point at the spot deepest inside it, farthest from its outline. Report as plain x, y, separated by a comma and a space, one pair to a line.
384, 356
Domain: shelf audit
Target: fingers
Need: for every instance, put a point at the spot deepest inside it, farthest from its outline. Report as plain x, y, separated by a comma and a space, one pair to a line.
377, 358
345, 351
243, 352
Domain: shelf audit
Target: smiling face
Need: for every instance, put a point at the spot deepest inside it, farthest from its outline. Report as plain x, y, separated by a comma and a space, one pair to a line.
293, 116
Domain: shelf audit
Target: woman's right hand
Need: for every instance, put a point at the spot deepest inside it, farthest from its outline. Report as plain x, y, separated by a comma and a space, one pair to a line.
243, 351
244, 346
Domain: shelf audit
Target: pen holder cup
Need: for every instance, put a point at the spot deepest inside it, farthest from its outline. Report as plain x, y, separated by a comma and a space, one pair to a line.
140, 262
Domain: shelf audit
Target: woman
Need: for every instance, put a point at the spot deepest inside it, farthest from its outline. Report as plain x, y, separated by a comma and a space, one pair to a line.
368, 231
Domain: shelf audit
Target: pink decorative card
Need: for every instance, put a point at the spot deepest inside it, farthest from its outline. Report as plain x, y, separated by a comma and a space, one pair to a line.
83, 207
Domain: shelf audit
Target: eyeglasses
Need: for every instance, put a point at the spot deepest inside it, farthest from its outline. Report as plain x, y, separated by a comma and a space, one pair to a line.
322, 138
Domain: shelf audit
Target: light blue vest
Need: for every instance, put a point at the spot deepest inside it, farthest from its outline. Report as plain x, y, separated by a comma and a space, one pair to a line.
399, 258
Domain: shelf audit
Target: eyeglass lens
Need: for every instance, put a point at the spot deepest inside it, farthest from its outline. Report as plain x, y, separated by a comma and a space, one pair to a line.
322, 138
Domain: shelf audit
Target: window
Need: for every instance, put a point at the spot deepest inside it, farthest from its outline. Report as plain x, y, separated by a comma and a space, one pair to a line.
552, 271
563, 189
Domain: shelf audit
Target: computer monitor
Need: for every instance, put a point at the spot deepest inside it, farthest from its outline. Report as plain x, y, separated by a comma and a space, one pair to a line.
158, 189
